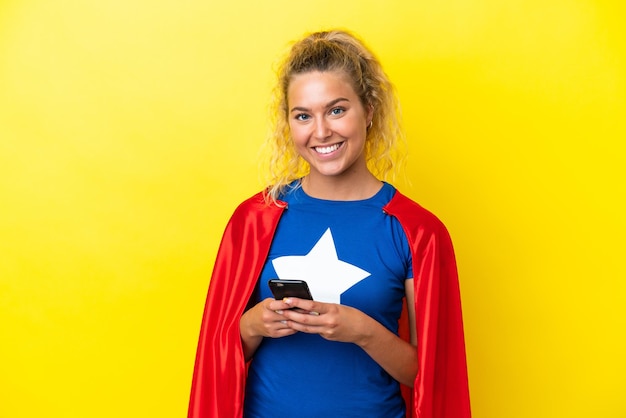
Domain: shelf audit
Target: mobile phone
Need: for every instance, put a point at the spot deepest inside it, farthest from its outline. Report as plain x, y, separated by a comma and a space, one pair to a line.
289, 288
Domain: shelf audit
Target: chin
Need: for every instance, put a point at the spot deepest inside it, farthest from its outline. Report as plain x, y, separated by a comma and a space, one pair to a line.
331, 172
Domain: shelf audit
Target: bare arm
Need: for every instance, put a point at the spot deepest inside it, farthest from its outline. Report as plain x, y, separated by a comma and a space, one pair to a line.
393, 354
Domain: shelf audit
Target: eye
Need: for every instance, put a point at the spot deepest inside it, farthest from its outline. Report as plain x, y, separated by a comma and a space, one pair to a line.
302, 117
336, 111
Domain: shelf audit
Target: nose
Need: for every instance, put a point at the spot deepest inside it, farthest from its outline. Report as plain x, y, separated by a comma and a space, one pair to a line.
322, 129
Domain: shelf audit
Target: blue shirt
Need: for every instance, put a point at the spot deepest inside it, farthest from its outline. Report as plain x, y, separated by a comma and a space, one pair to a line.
349, 252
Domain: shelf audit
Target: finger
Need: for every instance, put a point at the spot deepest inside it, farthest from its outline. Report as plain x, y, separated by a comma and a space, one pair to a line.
300, 310
312, 307
296, 319
307, 327
282, 332
276, 305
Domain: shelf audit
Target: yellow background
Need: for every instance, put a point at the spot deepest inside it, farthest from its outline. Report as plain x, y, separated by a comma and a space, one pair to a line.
129, 130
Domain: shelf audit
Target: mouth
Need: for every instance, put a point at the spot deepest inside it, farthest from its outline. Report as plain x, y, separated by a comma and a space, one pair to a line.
328, 149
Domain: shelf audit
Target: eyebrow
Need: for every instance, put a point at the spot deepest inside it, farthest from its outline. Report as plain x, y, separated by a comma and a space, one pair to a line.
329, 104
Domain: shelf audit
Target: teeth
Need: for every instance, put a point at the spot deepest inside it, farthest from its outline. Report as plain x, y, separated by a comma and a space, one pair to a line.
327, 150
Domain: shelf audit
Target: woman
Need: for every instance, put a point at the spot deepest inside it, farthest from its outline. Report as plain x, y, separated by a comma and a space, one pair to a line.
379, 266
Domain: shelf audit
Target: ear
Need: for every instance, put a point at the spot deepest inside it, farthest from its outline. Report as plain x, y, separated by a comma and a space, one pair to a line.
370, 115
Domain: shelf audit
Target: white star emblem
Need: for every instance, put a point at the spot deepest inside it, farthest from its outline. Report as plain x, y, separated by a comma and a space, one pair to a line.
327, 276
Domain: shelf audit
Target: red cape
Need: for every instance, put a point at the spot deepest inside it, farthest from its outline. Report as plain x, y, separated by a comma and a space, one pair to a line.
441, 385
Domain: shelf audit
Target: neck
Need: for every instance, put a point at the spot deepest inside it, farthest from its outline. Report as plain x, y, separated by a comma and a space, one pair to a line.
341, 188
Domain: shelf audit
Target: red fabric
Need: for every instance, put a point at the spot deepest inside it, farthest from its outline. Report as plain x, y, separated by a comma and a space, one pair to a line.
441, 386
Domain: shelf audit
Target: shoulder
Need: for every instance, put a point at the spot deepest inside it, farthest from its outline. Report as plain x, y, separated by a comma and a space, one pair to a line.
411, 214
257, 205
422, 228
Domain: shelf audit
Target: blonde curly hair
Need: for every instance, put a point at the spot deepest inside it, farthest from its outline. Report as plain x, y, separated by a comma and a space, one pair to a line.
335, 50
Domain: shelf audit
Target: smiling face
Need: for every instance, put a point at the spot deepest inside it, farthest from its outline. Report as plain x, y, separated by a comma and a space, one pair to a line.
328, 124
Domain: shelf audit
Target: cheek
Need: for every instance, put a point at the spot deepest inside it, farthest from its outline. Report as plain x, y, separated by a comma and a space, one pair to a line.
352, 128
298, 135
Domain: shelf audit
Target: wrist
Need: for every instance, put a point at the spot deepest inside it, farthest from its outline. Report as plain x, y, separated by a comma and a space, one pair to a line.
245, 329
366, 332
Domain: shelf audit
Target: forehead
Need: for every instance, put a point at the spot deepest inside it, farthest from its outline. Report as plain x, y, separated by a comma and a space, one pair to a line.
316, 85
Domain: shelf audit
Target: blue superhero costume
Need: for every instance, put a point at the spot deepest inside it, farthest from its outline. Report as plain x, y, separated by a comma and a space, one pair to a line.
349, 252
